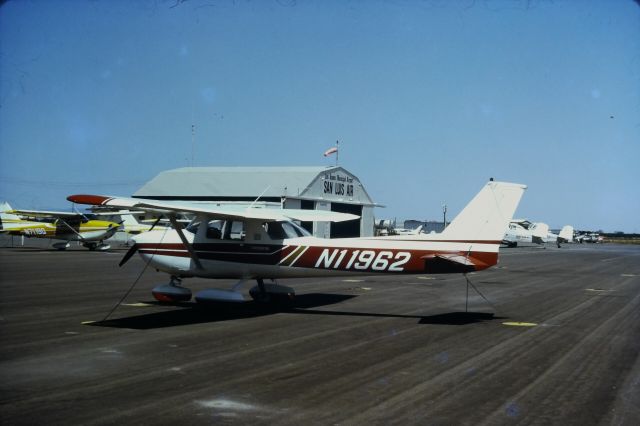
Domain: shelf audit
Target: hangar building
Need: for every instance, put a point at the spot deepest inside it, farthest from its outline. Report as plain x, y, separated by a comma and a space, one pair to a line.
320, 188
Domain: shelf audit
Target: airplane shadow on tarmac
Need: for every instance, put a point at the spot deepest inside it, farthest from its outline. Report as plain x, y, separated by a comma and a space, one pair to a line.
304, 304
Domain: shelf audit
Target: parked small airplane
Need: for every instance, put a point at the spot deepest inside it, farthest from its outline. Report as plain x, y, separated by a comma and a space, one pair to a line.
589, 237
59, 226
525, 233
565, 236
259, 243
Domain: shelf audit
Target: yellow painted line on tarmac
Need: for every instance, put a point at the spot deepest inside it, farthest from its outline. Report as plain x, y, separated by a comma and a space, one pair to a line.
628, 275
137, 305
87, 322
597, 290
352, 281
426, 278
520, 324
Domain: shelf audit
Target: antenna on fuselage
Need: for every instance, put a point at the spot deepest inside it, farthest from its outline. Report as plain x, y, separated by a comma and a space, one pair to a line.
259, 196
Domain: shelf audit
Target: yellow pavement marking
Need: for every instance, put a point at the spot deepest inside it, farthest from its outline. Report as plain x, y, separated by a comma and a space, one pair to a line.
520, 324
352, 281
366, 288
596, 289
87, 322
628, 275
137, 305
426, 278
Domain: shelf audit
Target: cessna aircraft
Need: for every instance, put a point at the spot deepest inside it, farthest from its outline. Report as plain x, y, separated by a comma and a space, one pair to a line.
524, 233
59, 226
565, 236
259, 243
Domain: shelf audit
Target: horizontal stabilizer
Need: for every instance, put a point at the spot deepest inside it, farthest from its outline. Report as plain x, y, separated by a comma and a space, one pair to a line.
455, 258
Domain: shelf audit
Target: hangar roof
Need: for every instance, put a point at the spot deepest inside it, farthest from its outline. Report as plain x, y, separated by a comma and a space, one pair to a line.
240, 183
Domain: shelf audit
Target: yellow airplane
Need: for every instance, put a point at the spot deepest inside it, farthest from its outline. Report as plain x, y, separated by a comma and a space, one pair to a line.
57, 225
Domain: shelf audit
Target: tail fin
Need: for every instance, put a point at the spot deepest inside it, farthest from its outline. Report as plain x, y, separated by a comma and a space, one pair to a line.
540, 231
5, 207
566, 233
487, 216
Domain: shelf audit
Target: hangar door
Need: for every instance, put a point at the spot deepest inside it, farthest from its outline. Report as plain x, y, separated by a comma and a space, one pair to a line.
347, 229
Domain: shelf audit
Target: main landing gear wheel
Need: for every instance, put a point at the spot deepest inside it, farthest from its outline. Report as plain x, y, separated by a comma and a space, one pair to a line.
272, 293
172, 292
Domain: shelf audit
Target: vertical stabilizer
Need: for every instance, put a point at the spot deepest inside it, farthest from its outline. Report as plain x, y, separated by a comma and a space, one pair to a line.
540, 231
487, 216
566, 233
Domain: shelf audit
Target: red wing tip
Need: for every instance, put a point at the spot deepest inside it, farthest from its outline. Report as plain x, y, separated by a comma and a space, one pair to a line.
95, 200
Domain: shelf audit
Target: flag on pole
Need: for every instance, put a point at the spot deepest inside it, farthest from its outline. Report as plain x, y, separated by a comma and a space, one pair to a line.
330, 151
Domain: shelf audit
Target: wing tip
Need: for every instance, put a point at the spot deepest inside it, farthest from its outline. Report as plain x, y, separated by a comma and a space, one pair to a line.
95, 200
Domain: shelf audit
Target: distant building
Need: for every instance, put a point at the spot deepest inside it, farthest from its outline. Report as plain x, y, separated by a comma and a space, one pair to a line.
319, 188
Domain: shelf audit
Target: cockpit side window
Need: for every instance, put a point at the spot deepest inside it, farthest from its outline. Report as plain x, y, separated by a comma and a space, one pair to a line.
275, 231
234, 230
214, 229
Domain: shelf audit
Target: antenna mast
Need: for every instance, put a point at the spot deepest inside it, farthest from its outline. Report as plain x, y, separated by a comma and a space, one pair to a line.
193, 139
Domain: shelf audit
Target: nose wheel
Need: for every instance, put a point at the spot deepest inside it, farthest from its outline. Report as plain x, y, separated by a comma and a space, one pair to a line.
172, 292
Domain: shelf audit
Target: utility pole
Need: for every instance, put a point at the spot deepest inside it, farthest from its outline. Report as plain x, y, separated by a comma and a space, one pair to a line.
444, 216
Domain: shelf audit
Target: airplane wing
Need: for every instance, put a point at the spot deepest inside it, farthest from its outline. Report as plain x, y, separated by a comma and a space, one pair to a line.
219, 212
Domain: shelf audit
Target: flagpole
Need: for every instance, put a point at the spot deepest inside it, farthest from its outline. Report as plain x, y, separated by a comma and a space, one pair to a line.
337, 152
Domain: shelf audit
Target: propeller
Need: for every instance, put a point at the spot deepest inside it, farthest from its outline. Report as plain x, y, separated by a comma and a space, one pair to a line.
134, 248
155, 223
127, 256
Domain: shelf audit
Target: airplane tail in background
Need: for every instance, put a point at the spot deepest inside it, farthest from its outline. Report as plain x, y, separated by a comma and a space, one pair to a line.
487, 216
539, 233
566, 234
5, 207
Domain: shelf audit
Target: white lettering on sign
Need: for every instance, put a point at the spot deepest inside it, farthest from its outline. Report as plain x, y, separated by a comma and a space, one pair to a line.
363, 260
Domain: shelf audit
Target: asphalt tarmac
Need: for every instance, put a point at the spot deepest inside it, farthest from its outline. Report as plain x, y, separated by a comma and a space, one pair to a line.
371, 350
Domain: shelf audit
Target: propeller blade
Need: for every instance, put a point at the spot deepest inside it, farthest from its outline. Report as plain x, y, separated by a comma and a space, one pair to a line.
127, 256
155, 223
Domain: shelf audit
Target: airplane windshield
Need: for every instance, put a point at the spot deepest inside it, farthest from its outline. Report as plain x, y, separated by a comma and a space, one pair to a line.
284, 230
193, 227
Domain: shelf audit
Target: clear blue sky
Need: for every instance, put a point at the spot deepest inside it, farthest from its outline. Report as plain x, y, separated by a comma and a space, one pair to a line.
429, 98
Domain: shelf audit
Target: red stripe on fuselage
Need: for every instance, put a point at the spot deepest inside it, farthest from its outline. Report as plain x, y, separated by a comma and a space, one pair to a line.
373, 260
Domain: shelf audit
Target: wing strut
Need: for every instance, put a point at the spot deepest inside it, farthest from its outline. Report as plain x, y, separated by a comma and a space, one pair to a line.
64, 222
189, 247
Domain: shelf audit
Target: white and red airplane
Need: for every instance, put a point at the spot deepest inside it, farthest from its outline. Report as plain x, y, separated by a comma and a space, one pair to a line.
259, 243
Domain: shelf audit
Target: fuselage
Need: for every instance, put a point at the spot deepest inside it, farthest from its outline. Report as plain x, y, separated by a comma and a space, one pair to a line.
91, 230
306, 256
